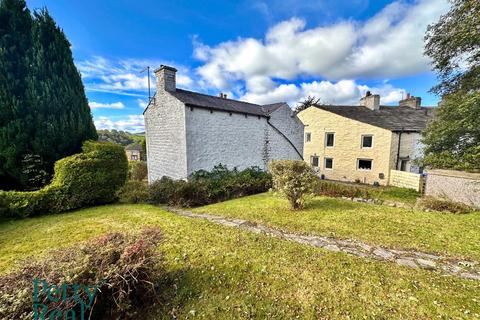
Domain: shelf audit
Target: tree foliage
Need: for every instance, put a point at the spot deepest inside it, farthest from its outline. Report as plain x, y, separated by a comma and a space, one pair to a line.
452, 140
307, 102
44, 112
453, 43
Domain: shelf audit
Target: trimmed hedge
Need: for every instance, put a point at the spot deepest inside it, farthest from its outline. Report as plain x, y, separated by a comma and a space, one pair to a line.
205, 187
335, 190
89, 178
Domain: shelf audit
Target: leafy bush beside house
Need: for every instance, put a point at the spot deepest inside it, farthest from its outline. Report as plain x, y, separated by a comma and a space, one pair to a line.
88, 178
205, 187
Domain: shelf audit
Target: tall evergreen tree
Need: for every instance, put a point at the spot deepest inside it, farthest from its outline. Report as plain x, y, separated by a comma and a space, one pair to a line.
15, 48
44, 113
59, 112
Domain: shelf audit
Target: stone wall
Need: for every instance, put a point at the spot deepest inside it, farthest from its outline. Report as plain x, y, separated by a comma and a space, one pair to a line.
405, 179
165, 137
455, 185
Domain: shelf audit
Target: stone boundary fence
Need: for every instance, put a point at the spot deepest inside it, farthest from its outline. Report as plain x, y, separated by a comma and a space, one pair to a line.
457, 186
405, 179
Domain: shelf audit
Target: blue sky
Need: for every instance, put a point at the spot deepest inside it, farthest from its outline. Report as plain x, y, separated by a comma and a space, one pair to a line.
259, 51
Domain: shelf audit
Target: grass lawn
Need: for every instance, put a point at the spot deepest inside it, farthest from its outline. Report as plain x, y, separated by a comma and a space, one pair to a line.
225, 273
448, 234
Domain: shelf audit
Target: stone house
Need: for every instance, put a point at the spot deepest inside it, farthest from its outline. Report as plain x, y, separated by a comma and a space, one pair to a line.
363, 143
133, 152
188, 131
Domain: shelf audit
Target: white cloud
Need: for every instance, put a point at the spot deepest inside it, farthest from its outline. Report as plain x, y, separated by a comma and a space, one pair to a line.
389, 44
99, 105
142, 103
131, 123
125, 76
346, 92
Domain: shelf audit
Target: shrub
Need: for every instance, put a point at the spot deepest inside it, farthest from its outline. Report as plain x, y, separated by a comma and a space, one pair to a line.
443, 205
336, 190
137, 170
205, 187
294, 179
134, 192
119, 268
88, 178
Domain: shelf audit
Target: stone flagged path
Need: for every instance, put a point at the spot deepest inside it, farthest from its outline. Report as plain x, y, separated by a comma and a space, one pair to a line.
406, 258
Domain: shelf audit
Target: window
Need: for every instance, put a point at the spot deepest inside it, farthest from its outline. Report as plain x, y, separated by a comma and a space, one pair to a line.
367, 141
314, 161
328, 163
403, 165
134, 157
329, 139
364, 164
308, 137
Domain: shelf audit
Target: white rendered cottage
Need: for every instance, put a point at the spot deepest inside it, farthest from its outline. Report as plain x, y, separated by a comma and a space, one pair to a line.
188, 131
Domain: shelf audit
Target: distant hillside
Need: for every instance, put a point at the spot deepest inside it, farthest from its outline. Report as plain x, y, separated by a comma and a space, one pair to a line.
121, 137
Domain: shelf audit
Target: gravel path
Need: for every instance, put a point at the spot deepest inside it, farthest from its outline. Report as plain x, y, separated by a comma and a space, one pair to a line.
412, 259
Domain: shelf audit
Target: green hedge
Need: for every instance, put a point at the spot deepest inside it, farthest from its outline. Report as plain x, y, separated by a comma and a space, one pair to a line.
88, 178
204, 187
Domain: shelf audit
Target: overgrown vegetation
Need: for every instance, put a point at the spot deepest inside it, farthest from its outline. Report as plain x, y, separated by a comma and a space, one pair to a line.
339, 189
204, 187
294, 179
443, 205
85, 179
137, 170
134, 192
44, 113
120, 269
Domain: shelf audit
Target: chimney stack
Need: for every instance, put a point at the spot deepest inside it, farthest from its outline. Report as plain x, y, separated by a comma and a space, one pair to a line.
411, 102
371, 101
166, 78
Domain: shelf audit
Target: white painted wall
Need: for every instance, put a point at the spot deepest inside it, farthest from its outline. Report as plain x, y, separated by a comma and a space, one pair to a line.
288, 123
233, 140
165, 138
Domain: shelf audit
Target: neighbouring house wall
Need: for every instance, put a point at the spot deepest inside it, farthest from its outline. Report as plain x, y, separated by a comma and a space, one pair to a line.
347, 147
165, 138
290, 125
131, 153
234, 140
455, 185
405, 179
410, 146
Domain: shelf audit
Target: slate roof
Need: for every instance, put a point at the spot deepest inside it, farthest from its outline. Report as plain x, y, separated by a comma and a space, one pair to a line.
201, 100
133, 146
390, 118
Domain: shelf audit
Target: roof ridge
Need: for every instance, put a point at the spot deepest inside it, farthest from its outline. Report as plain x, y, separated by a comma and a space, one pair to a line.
212, 96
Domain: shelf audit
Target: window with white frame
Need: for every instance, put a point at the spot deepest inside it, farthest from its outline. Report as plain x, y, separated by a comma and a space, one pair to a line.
329, 163
308, 137
367, 141
329, 139
364, 164
314, 161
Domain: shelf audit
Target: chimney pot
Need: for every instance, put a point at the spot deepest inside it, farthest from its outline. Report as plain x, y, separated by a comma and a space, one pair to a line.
371, 101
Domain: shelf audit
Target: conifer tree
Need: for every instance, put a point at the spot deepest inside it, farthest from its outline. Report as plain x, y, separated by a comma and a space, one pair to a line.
59, 107
15, 48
